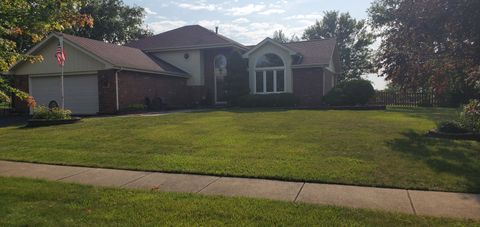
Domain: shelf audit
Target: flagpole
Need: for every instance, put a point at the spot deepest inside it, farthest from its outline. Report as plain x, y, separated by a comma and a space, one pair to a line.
61, 77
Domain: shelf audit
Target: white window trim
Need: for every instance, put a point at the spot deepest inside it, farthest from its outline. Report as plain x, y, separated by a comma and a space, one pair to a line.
264, 75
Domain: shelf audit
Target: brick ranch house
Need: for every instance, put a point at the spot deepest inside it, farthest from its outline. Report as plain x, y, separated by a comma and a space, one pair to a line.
183, 67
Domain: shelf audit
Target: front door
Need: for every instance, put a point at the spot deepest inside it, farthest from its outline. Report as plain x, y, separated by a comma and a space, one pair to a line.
220, 71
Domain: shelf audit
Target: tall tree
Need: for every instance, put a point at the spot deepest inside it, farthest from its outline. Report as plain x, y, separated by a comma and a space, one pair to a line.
429, 44
23, 23
115, 22
353, 40
281, 37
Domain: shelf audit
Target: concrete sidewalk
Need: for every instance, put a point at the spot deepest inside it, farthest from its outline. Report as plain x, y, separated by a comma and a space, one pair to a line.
440, 204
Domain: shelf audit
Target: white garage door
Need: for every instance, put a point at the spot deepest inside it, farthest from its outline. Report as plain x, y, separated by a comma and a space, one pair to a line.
81, 92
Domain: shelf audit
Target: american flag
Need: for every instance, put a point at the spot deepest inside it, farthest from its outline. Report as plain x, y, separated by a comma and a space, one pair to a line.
60, 53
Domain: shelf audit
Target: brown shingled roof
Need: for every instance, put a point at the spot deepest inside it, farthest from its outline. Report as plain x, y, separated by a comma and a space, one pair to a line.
184, 37
122, 56
314, 52
311, 52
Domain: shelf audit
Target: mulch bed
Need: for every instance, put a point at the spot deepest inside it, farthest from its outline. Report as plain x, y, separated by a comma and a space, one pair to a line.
44, 122
456, 136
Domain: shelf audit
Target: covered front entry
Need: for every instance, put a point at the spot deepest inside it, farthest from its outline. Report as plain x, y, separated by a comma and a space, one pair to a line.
220, 72
81, 92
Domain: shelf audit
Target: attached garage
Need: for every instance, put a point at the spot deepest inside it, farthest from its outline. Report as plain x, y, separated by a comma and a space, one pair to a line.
81, 92
98, 76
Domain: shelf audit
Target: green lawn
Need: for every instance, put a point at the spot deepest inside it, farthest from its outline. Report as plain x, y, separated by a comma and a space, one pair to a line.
32, 202
374, 148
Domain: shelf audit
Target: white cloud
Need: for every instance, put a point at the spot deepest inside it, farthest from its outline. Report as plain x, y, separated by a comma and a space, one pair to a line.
246, 10
199, 5
312, 16
227, 29
246, 33
149, 11
241, 20
166, 25
273, 11
210, 24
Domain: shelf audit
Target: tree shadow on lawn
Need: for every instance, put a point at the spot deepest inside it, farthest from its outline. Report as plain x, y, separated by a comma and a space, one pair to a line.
442, 155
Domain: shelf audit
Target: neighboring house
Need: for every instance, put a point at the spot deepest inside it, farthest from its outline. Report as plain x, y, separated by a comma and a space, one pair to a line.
182, 68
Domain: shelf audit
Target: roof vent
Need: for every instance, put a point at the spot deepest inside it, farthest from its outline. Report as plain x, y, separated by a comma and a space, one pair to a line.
216, 30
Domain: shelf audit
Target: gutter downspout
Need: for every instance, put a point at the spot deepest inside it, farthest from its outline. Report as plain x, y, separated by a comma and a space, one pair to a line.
116, 89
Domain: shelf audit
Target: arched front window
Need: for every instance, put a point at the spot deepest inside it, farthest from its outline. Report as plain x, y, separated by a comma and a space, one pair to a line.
220, 72
269, 74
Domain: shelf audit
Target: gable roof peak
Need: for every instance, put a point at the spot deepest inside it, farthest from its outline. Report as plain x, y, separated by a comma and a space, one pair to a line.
270, 40
186, 37
112, 55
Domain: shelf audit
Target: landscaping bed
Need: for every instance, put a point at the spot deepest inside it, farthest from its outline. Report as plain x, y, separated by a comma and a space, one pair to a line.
459, 136
50, 122
466, 127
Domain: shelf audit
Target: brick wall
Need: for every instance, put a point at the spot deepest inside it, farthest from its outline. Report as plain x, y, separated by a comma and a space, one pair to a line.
329, 80
134, 87
200, 95
106, 91
308, 85
20, 82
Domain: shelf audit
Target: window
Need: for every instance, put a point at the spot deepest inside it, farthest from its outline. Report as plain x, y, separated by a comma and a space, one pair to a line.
269, 81
269, 74
220, 63
280, 81
259, 82
269, 60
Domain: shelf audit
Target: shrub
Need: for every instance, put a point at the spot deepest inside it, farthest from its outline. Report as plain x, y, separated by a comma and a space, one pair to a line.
157, 104
350, 93
336, 97
154, 104
134, 107
268, 100
470, 116
42, 112
451, 127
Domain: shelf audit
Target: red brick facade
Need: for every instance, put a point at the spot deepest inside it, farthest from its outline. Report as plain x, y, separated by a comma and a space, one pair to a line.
308, 86
21, 83
106, 91
134, 87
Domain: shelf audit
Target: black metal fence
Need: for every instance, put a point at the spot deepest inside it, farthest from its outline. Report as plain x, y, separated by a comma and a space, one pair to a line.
409, 99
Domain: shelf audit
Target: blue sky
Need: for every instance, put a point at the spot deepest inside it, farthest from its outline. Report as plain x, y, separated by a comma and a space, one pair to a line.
247, 22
